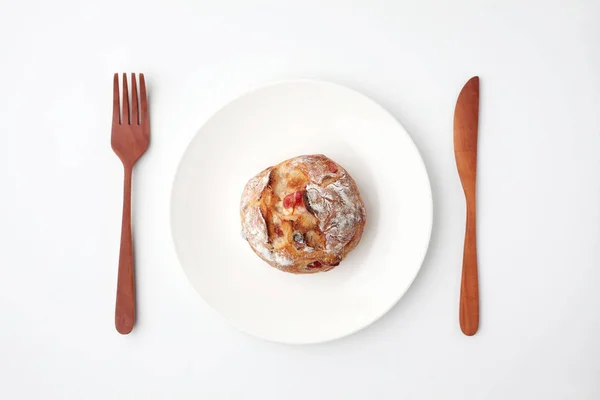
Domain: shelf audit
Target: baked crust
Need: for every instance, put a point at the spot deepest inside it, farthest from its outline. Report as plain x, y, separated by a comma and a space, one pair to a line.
302, 215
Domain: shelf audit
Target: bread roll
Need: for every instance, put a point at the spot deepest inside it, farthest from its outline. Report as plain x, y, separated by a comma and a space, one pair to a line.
303, 215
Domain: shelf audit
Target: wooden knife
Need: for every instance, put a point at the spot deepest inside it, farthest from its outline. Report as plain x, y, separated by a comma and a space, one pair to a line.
466, 119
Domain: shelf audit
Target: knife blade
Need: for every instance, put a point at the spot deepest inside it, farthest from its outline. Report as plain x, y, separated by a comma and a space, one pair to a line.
466, 120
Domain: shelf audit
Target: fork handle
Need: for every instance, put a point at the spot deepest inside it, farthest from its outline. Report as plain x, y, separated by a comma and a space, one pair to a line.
469, 288
125, 307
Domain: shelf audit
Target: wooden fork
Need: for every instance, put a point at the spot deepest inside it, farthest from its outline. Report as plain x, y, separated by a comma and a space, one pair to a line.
129, 140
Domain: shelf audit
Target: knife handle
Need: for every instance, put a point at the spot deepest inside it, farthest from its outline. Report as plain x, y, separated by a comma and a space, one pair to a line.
469, 288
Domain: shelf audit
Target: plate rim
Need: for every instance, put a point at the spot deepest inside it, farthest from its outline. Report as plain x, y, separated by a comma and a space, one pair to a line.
422, 256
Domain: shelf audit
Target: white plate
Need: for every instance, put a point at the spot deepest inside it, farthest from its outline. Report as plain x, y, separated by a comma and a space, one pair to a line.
265, 127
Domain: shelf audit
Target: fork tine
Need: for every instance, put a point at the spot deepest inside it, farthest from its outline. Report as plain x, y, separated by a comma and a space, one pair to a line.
143, 100
125, 116
134, 101
116, 112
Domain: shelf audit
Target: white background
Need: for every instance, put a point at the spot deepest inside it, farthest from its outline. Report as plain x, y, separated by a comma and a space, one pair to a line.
539, 196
